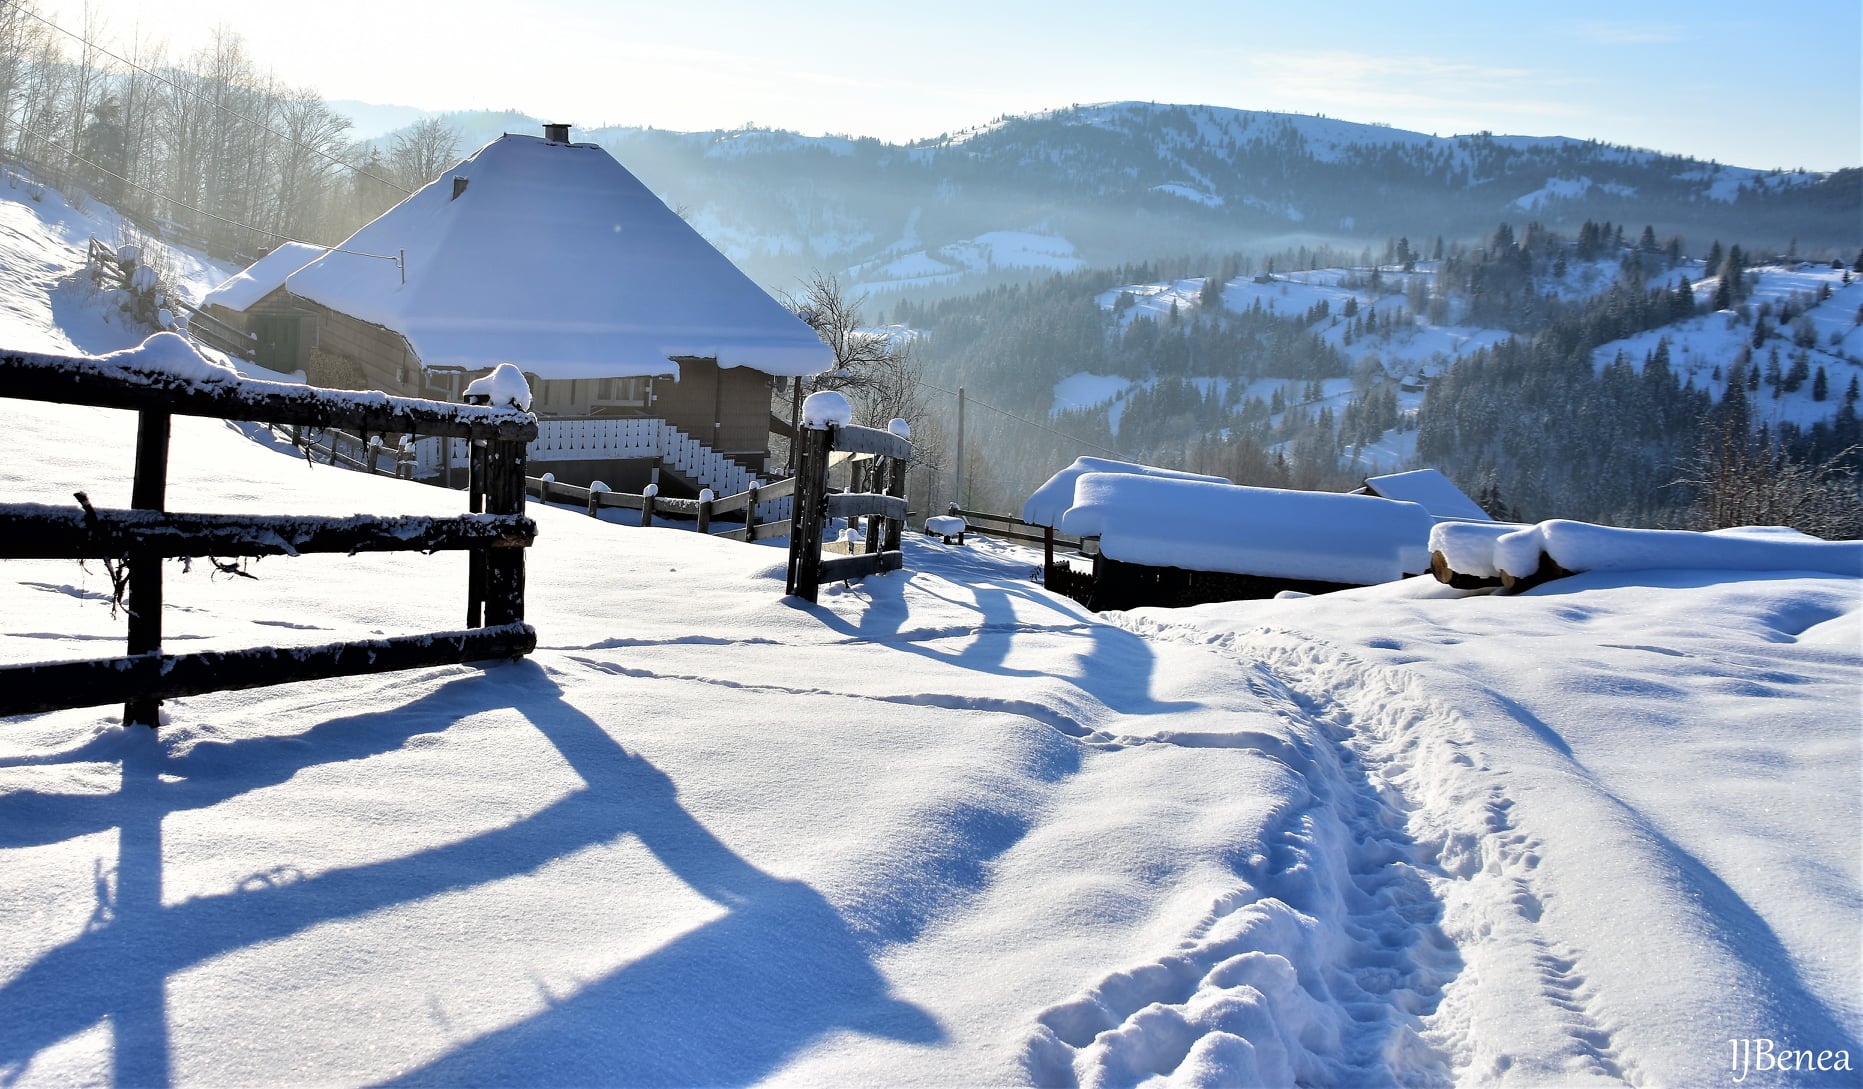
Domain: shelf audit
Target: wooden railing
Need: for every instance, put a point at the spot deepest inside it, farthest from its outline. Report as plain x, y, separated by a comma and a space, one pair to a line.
880, 468
151, 384
741, 507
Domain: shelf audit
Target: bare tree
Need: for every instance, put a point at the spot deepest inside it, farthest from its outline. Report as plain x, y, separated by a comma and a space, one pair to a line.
1741, 479
876, 369
422, 150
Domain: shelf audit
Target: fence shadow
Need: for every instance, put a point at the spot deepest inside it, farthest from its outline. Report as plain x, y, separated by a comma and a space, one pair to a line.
724, 1003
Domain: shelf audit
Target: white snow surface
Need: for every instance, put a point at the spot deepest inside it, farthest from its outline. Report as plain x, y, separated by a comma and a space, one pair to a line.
1580, 546
1277, 533
941, 829
263, 276
1047, 503
554, 257
1433, 491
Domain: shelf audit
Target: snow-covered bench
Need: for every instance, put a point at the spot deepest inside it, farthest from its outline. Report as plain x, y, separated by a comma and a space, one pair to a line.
950, 527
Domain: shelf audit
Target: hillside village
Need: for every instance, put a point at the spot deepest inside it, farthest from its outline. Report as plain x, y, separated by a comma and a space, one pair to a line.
1437, 666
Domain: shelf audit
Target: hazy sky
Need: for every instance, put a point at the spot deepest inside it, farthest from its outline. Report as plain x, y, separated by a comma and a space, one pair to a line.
1774, 85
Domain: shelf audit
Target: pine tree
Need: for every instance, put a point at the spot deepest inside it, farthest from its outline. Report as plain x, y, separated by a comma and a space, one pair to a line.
1820, 386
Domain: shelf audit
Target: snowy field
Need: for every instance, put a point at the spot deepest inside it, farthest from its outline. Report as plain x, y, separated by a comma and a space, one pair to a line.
942, 829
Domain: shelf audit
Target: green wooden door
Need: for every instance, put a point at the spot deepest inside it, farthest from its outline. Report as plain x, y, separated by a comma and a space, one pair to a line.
277, 341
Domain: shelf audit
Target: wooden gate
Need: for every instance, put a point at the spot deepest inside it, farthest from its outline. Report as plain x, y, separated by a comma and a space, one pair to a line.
496, 532
880, 468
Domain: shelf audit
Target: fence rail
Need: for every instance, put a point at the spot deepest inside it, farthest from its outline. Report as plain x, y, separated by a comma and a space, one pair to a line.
745, 505
165, 378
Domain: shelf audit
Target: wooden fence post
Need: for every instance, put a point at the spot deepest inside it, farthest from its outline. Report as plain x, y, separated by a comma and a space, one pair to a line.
475, 559
705, 510
149, 492
504, 567
805, 531
895, 487
750, 513
646, 505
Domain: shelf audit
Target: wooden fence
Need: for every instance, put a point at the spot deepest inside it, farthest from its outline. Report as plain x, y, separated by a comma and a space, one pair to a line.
880, 468
741, 507
1060, 575
495, 533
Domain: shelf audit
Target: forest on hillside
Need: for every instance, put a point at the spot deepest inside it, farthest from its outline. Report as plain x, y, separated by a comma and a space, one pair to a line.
1530, 424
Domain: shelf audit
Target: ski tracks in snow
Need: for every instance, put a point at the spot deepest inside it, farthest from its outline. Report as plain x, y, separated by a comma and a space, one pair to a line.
1370, 944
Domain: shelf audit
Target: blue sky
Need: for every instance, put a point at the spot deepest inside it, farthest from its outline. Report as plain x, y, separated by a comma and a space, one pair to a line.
1773, 86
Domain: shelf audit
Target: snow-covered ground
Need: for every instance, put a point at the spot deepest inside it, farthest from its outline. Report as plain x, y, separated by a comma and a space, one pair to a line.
943, 828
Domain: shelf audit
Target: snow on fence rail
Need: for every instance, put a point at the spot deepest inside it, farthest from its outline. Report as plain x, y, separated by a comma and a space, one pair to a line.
880, 459
165, 377
753, 506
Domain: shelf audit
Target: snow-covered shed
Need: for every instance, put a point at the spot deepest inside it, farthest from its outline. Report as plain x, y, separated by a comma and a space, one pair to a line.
1432, 490
1176, 540
550, 255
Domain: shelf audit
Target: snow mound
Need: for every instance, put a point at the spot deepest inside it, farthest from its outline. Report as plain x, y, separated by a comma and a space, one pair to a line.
1489, 550
1046, 505
1200, 526
505, 385
826, 408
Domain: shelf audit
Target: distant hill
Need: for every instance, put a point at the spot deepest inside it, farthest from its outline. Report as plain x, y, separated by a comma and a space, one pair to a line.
1108, 184
369, 120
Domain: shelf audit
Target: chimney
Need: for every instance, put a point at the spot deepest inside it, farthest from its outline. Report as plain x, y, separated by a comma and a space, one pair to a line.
556, 134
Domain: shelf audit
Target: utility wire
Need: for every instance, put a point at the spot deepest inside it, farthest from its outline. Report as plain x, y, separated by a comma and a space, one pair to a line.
202, 211
24, 10
968, 399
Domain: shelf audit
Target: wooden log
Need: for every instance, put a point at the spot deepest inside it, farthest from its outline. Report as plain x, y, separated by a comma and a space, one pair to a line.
863, 504
504, 568
1546, 572
805, 536
859, 566
855, 439
50, 686
81, 380
646, 509
36, 531
1439, 566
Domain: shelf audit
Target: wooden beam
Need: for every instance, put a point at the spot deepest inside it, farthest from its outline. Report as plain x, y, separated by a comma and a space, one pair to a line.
52, 686
865, 504
80, 380
853, 567
855, 439
36, 531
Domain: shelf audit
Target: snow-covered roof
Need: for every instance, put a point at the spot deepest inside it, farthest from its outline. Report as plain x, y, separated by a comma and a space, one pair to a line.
263, 276
1046, 505
1432, 490
1200, 526
554, 257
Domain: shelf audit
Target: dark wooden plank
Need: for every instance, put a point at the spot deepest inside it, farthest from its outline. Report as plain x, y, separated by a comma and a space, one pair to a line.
855, 439
51, 686
148, 493
853, 567
866, 504
80, 380
36, 531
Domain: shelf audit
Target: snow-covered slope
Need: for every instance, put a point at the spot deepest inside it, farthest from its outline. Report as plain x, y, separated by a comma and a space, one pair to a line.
943, 828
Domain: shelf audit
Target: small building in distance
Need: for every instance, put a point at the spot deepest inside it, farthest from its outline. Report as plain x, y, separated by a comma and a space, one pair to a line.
1430, 489
1171, 539
636, 334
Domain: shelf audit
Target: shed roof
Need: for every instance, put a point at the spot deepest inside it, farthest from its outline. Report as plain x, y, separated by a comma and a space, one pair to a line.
554, 257
263, 276
1433, 491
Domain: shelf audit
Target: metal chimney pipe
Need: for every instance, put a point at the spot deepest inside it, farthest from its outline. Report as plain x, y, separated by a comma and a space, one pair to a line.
556, 134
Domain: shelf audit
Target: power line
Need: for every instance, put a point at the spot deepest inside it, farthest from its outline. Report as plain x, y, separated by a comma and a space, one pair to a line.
1023, 419
24, 10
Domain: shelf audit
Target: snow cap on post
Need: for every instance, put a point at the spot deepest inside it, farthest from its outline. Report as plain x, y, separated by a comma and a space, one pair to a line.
504, 386
826, 408
900, 427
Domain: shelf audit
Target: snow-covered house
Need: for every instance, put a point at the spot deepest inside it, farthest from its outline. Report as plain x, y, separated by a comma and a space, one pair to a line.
550, 255
1172, 539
